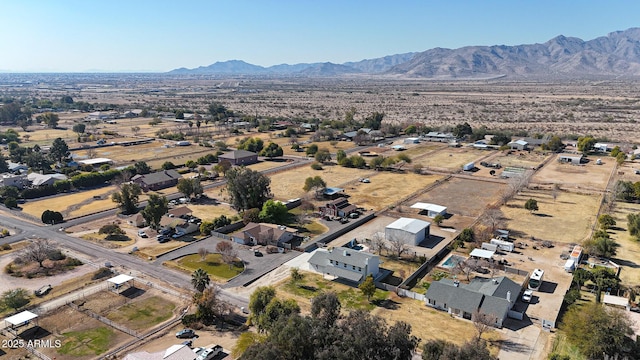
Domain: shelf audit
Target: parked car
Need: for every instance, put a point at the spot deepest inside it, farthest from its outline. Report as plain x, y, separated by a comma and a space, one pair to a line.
210, 353
177, 234
163, 239
186, 334
198, 350
527, 295
257, 253
142, 234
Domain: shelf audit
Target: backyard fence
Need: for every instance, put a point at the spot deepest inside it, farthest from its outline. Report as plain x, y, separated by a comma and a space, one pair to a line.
401, 292
37, 353
516, 271
104, 320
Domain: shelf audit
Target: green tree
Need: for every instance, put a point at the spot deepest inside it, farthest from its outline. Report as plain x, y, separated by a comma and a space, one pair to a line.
156, 207
50, 119
462, 130
190, 187
604, 278
276, 309
168, 165
51, 217
4, 165
296, 275
606, 221
142, 168
341, 154
251, 216
247, 188
602, 245
620, 158
200, 280
326, 307
581, 276
438, 219
586, 144
179, 114
259, 300
272, 150
411, 129
314, 183
373, 121
59, 150
531, 205
368, 287
251, 144
312, 150
246, 340
615, 151
375, 163
127, 198
15, 298
466, 235
633, 224
555, 144
274, 212
596, 330
79, 128
323, 156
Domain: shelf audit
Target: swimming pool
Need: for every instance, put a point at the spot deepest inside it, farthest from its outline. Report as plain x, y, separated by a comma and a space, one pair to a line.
452, 261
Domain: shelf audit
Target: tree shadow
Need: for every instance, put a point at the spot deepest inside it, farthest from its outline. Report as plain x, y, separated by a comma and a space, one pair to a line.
386, 303
133, 292
542, 215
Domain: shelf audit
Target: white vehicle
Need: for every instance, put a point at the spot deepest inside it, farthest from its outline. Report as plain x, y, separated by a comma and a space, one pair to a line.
536, 279
527, 295
142, 234
210, 353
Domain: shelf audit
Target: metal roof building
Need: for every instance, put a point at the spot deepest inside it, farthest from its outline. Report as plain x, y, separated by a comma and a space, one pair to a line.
408, 230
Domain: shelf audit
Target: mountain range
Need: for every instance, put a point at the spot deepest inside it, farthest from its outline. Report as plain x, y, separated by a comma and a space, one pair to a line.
614, 55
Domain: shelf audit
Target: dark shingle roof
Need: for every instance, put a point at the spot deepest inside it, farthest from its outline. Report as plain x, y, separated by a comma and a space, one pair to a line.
455, 297
237, 154
158, 177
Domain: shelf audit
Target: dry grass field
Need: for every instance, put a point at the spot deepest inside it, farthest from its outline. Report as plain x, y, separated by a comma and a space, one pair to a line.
522, 159
568, 219
629, 251
450, 159
210, 212
587, 176
73, 204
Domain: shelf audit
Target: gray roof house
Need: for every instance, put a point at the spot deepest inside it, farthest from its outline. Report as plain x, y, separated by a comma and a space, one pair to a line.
240, 157
518, 144
494, 296
157, 180
345, 263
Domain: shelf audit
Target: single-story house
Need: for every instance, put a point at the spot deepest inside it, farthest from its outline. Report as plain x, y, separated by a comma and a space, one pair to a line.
602, 147
439, 137
17, 167
494, 297
157, 180
412, 140
409, 231
432, 210
265, 234
239, 157
19, 181
179, 212
518, 145
345, 263
174, 352
399, 147
46, 179
339, 207
576, 159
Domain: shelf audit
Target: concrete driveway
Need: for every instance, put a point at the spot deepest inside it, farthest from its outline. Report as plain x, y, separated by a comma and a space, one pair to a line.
521, 344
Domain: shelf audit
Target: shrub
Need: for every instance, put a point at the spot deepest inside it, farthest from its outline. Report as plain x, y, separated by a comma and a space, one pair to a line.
55, 255
6, 246
72, 262
316, 166
189, 320
51, 217
102, 273
11, 203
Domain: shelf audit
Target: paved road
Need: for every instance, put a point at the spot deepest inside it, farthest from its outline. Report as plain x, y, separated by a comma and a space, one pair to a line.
100, 255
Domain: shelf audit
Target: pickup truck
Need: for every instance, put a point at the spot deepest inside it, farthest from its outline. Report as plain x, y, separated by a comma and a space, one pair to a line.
43, 290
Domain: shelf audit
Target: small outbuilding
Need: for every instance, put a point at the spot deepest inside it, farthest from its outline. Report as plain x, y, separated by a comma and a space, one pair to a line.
18, 320
518, 145
575, 159
412, 140
95, 161
432, 210
409, 231
482, 254
117, 282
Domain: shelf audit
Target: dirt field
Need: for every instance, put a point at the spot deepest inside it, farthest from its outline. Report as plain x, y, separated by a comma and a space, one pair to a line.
450, 159
522, 159
573, 213
586, 176
462, 196
74, 204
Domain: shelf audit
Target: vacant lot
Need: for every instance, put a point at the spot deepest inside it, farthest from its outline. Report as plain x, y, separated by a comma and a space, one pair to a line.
144, 314
449, 159
212, 264
73, 204
521, 159
568, 219
588, 176
82, 336
288, 184
463, 196
211, 211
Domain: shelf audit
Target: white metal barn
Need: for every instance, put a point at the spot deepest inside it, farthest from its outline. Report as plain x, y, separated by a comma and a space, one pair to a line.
409, 231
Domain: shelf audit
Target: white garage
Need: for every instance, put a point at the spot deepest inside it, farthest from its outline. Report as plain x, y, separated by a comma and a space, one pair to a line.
432, 210
409, 231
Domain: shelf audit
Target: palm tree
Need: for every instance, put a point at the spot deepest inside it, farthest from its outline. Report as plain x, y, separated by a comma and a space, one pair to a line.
200, 280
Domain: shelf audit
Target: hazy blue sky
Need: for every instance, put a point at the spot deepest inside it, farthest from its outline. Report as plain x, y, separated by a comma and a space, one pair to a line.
157, 35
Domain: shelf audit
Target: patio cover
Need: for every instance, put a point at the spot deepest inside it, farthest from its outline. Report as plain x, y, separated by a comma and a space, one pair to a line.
21, 318
120, 279
485, 254
429, 207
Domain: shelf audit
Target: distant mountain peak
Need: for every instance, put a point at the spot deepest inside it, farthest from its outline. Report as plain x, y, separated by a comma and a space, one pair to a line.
616, 54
